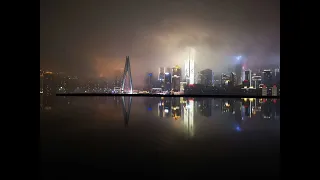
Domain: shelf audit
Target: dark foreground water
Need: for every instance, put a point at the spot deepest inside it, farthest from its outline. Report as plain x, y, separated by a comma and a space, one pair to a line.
105, 137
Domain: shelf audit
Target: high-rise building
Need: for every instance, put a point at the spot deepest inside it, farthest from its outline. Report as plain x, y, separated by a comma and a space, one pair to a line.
233, 79
176, 78
148, 81
239, 70
189, 66
225, 79
256, 81
161, 76
247, 78
161, 73
167, 79
267, 78
206, 77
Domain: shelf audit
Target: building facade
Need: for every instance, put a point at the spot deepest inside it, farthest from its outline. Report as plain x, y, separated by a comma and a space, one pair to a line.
206, 77
176, 78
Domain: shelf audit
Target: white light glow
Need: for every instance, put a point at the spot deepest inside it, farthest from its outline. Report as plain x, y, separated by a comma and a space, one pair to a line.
189, 65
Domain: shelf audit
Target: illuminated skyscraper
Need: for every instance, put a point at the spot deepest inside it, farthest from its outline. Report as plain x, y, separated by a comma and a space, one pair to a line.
189, 66
176, 78
256, 81
225, 80
233, 79
247, 78
239, 69
167, 79
161, 76
149, 84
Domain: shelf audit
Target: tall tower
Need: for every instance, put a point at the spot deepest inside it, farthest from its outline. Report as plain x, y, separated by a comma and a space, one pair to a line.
127, 72
161, 77
176, 78
189, 66
239, 70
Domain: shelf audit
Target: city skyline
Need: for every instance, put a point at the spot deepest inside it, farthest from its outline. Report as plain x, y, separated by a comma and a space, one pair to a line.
153, 35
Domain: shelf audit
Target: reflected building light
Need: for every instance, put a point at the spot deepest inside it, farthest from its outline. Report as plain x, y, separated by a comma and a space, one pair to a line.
188, 119
160, 109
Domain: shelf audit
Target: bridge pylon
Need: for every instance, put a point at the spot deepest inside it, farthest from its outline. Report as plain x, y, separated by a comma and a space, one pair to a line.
127, 74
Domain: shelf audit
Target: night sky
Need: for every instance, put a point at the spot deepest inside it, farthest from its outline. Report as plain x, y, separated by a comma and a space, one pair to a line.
92, 37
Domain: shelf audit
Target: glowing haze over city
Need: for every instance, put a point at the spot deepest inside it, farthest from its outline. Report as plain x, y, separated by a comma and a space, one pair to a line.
94, 38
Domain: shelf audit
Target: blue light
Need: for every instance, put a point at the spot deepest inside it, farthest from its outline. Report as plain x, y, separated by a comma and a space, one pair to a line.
150, 74
239, 57
238, 128
149, 109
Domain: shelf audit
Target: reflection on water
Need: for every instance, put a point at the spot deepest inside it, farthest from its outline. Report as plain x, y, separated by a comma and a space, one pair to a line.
126, 107
195, 128
186, 110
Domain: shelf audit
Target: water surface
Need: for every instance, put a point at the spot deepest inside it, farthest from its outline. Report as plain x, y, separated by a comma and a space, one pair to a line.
163, 137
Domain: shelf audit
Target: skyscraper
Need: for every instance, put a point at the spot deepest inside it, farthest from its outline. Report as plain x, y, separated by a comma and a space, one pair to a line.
176, 78
167, 79
206, 77
239, 70
189, 66
256, 81
149, 81
267, 78
225, 80
233, 79
247, 78
161, 76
